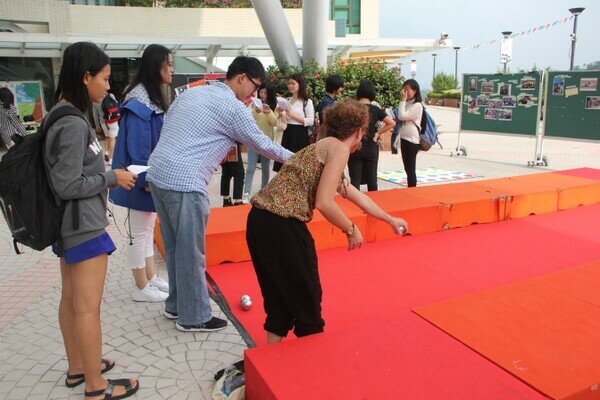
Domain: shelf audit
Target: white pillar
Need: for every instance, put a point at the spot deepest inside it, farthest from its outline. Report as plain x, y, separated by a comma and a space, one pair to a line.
278, 32
315, 14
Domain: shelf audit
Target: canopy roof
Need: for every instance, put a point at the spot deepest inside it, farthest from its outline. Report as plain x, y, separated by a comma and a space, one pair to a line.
14, 44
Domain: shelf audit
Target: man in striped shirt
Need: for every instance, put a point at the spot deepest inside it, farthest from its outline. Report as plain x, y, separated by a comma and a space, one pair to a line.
10, 124
200, 127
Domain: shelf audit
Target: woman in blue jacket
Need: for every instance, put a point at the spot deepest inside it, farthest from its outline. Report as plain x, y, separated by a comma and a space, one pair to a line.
142, 114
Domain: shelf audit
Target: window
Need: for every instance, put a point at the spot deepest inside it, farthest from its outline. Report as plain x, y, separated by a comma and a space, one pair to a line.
349, 11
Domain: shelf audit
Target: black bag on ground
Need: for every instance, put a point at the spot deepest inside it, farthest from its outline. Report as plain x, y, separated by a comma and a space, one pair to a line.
32, 211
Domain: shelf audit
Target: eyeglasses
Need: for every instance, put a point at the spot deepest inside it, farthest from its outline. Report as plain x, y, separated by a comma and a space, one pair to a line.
256, 85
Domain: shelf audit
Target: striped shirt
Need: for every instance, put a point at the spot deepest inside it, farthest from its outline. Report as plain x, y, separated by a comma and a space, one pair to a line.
10, 125
200, 127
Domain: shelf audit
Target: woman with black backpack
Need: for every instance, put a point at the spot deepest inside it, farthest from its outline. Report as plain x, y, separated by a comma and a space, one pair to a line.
77, 173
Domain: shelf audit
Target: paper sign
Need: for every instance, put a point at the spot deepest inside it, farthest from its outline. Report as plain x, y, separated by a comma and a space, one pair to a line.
257, 103
571, 91
138, 169
283, 103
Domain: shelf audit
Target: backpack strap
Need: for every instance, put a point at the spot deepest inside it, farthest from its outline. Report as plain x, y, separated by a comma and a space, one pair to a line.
54, 116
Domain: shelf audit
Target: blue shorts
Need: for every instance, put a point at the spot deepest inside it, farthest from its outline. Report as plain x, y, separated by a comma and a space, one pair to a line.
86, 250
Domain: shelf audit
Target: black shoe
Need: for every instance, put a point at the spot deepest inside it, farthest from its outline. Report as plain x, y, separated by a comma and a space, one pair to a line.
170, 315
239, 365
227, 202
214, 324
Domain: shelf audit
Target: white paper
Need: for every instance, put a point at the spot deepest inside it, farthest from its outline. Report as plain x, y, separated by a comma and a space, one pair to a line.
138, 169
283, 103
257, 103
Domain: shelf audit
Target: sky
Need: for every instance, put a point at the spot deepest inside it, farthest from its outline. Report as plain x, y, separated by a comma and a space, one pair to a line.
469, 22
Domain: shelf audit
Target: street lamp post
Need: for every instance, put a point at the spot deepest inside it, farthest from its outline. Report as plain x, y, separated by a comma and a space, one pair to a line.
575, 12
506, 49
434, 56
456, 49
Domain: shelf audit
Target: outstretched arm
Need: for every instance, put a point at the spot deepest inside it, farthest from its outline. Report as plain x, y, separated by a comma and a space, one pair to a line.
366, 204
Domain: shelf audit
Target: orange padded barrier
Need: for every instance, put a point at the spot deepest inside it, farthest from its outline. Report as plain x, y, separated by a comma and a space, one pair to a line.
328, 236
422, 215
427, 209
226, 232
524, 198
226, 235
468, 203
545, 331
573, 191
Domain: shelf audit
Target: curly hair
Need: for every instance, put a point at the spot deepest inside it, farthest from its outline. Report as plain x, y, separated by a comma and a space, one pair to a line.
345, 118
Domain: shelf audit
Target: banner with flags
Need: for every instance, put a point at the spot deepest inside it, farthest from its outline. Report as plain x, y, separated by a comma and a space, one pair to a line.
549, 25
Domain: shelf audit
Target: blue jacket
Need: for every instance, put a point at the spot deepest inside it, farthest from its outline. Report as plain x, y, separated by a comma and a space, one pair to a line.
139, 131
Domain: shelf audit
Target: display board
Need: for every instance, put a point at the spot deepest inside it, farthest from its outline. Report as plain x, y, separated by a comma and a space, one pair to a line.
29, 98
573, 105
503, 103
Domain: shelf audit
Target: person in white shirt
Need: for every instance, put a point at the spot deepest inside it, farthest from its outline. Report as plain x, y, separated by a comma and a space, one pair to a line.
300, 116
410, 112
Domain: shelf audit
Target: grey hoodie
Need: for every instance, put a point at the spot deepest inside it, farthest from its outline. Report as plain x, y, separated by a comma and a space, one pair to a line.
77, 172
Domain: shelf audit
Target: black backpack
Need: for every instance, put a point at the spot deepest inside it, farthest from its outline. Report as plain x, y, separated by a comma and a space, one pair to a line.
30, 207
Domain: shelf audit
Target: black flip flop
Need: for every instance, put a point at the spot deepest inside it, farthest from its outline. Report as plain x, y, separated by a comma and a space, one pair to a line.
108, 392
81, 377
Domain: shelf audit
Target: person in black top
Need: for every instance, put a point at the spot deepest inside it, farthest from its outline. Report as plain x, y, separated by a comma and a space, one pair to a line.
334, 85
362, 164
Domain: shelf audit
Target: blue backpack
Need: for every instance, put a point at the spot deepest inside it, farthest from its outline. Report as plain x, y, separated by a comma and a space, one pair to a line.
428, 131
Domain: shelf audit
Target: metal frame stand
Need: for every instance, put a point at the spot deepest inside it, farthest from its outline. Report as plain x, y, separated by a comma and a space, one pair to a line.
539, 159
459, 150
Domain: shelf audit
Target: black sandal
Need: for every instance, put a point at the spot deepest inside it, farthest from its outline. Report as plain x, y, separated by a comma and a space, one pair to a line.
81, 377
129, 390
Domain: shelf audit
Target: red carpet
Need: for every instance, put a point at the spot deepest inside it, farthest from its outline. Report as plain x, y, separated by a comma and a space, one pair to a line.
539, 330
368, 295
401, 357
589, 173
427, 268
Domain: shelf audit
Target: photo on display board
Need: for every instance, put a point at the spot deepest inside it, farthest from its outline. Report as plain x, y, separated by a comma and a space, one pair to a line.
558, 86
487, 87
509, 101
527, 83
524, 100
495, 103
588, 84
482, 101
592, 103
504, 89
504, 115
491, 114
473, 84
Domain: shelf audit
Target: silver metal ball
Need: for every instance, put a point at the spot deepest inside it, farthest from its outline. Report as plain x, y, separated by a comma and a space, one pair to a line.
247, 304
245, 298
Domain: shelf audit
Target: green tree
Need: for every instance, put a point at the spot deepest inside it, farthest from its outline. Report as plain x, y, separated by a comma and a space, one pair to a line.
443, 82
388, 82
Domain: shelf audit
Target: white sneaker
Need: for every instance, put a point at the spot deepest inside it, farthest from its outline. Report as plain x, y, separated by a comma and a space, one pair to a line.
246, 198
149, 294
160, 283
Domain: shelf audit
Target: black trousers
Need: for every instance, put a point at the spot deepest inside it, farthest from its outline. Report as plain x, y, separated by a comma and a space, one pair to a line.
409, 152
235, 170
294, 138
363, 170
395, 134
285, 261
